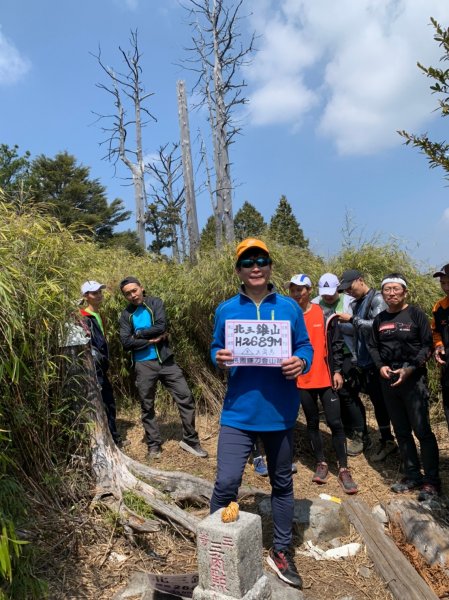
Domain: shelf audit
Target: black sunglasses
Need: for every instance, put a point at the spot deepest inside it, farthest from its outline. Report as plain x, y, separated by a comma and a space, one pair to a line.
261, 261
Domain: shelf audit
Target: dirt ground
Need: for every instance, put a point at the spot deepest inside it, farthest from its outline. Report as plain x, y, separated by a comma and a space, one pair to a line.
102, 559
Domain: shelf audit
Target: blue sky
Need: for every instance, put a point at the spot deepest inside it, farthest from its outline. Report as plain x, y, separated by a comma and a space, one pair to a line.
328, 88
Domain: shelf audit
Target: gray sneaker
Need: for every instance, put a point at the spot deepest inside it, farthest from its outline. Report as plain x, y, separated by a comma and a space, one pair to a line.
355, 444
385, 449
154, 452
194, 448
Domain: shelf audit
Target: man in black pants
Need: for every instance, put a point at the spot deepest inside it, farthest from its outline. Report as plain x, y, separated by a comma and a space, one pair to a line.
400, 345
367, 304
143, 330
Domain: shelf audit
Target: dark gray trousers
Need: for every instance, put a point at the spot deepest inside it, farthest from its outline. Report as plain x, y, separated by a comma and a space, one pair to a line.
148, 373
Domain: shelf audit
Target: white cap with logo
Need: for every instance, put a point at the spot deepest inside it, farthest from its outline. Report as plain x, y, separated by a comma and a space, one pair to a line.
299, 279
328, 284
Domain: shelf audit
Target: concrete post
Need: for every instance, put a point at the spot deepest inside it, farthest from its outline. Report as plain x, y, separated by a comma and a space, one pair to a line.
230, 559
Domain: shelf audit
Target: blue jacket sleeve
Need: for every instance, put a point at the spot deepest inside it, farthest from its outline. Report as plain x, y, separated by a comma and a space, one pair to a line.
218, 336
301, 346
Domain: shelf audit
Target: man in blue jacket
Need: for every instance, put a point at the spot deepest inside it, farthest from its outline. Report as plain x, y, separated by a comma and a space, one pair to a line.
261, 401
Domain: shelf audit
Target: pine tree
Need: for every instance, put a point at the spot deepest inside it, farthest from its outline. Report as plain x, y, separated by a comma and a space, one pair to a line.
158, 223
285, 228
13, 168
65, 189
207, 237
248, 222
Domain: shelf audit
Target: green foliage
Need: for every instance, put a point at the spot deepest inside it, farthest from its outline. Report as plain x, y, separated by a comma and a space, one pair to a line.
159, 223
128, 240
138, 505
248, 222
16, 577
375, 261
69, 194
13, 169
437, 152
284, 227
207, 237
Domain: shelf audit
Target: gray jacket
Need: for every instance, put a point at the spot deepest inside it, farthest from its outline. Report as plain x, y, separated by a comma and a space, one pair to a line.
364, 310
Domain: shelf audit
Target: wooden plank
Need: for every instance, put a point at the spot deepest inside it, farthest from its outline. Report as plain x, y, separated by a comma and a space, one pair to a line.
401, 578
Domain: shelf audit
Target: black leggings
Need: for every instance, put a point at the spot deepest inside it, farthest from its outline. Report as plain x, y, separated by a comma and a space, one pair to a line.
331, 404
353, 414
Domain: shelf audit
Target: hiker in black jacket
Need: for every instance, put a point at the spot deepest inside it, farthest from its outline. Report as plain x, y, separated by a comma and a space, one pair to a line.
143, 331
401, 344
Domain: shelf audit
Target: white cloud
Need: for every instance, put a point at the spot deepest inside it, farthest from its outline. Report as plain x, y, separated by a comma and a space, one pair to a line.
13, 66
352, 63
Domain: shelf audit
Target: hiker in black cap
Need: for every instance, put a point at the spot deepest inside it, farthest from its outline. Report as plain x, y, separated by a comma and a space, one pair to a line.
366, 305
440, 332
143, 330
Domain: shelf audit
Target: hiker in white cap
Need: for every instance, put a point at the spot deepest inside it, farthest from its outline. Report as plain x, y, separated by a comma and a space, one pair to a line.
92, 321
353, 412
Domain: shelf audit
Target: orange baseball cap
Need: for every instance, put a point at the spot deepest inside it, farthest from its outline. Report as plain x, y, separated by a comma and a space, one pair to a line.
250, 243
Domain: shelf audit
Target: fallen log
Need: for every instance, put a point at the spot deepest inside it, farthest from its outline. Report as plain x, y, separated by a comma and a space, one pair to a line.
422, 529
400, 577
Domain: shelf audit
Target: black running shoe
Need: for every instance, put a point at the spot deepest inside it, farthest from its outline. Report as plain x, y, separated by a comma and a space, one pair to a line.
284, 566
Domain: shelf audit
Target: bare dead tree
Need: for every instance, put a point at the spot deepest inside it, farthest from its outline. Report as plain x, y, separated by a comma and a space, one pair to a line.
215, 208
166, 173
217, 55
187, 168
129, 96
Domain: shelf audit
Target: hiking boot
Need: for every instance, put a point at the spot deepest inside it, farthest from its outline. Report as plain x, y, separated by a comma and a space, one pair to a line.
367, 442
259, 466
385, 448
283, 565
194, 448
346, 481
428, 491
294, 469
355, 444
121, 443
405, 485
321, 472
154, 452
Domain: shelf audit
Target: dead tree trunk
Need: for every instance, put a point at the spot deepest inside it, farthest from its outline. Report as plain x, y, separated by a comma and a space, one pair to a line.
127, 90
189, 188
115, 472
